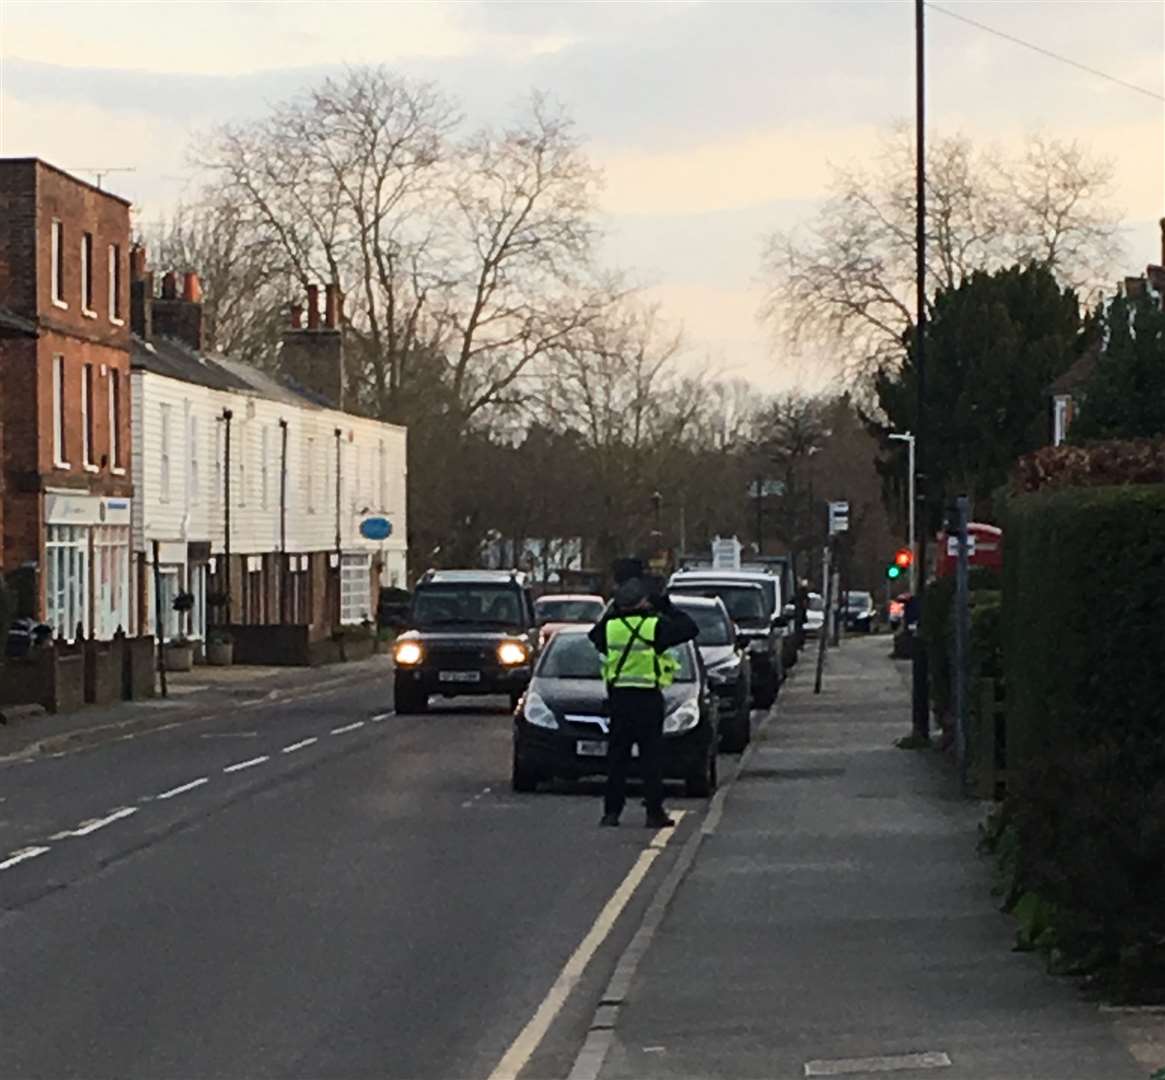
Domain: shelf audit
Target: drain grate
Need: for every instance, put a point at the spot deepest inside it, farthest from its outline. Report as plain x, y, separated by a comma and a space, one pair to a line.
792, 774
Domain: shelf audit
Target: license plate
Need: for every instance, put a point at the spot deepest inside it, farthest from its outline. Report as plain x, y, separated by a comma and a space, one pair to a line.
598, 748
459, 676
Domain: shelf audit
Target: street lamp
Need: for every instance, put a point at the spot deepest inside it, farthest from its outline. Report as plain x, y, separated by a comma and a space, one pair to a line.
908, 438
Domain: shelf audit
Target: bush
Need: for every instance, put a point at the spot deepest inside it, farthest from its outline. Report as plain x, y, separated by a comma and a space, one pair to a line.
1083, 657
938, 632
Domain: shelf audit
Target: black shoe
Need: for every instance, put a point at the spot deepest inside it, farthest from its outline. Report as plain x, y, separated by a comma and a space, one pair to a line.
659, 820
609, 821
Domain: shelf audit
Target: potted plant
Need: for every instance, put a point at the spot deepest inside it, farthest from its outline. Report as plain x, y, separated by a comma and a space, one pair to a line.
220, 649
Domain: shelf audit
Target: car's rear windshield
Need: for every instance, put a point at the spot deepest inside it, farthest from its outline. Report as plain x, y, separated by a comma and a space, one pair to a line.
860, 599
552, 609
714, 628
745, 603
572, 656
484, 604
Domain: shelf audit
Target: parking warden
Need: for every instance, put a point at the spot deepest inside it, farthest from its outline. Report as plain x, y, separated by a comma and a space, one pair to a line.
634, 637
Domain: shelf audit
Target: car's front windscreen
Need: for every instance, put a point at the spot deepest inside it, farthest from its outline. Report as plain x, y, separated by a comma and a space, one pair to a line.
486, 605
568, 611
745, 603
572, 656
860, 601
815, 603
714, 628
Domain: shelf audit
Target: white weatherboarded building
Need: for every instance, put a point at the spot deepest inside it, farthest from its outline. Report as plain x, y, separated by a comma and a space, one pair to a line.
301, 481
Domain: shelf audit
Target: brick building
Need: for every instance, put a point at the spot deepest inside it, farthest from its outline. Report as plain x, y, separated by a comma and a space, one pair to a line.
65, 484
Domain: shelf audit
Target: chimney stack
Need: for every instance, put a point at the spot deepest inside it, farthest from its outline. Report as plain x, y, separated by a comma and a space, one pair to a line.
331, 306
169, 285
191, 288
314, 356
137, 263
313, 307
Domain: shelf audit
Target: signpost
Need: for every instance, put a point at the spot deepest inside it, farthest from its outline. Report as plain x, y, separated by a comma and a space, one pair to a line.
838, 518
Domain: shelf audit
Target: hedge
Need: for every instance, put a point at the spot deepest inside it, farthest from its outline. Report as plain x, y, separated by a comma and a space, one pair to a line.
1084, 664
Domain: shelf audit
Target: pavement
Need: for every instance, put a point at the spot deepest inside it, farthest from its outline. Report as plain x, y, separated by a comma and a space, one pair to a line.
285, 879
837, 921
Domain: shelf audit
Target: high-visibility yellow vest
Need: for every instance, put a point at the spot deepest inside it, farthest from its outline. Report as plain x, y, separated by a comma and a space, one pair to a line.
631, 661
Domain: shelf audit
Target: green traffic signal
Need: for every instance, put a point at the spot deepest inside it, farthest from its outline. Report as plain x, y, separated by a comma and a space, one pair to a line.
893, 571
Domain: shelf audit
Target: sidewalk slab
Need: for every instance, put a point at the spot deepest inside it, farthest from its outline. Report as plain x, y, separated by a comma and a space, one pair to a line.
840, 922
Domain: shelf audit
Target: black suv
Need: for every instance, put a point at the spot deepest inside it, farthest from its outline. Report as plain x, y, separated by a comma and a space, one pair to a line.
470, 632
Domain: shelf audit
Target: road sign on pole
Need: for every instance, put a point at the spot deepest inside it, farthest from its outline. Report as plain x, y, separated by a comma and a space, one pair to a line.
838, 518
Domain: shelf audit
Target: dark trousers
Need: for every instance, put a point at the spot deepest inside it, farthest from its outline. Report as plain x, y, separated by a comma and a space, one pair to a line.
636, 718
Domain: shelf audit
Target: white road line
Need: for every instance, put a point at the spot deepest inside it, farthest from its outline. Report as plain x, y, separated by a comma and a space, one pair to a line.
381, 716
23, 855
528, 1040
183, 789
299, 745
238, 766
347, 727
87, 827
932, 1059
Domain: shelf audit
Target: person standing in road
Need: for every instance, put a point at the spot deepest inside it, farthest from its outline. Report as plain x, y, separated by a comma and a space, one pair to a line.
634, 636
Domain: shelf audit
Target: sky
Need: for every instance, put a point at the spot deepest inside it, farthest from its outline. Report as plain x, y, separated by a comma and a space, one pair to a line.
713, 122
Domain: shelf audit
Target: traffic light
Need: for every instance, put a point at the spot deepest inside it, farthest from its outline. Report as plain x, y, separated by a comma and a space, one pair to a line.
903, 558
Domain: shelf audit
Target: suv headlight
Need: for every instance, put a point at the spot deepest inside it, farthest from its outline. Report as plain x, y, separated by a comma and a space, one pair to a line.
512, 653
537, 712
408, 654
682, 718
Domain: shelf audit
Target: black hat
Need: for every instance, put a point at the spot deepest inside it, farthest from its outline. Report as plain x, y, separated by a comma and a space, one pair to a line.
630, 594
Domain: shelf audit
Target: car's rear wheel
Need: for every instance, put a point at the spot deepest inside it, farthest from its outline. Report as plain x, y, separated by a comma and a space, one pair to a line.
738, 734
410, 701
701, 784
522, 777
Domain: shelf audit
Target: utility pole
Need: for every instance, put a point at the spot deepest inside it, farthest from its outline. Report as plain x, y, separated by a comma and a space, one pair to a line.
339, 539
160, 635
226, 418
921, 676
283, 521
962, 633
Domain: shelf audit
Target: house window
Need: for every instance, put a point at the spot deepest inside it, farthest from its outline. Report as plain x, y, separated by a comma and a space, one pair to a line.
87, 417
164, 454
194, 489
355, 588
1061, 418
67, 579
264, 461
114, 419
57, 269
87, 274
59, 458
309, 487
115, 283
244, 451
197, 587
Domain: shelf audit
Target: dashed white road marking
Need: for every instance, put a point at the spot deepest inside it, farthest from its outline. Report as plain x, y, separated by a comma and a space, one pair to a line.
238, 766
347, 727
183, 789
91, 826
23, 855
381, 716
299, 745
528, 1040
932, 1059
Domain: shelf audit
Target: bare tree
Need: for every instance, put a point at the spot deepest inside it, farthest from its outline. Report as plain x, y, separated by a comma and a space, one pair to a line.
846, 280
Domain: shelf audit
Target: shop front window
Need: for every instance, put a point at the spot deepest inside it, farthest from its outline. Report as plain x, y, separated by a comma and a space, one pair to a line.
111, 559
355, 589
67, 579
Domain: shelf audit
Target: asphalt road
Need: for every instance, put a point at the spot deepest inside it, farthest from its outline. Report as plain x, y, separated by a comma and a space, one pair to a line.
313, 888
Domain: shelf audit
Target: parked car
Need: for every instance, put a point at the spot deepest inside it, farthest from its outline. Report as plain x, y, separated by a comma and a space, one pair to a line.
724, 651
470, 632
860, 613
392, 609
814, 615
555, 611
562, 724
762, 619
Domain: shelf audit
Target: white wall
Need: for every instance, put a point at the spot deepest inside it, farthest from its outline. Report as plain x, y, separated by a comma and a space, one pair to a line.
193, 507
